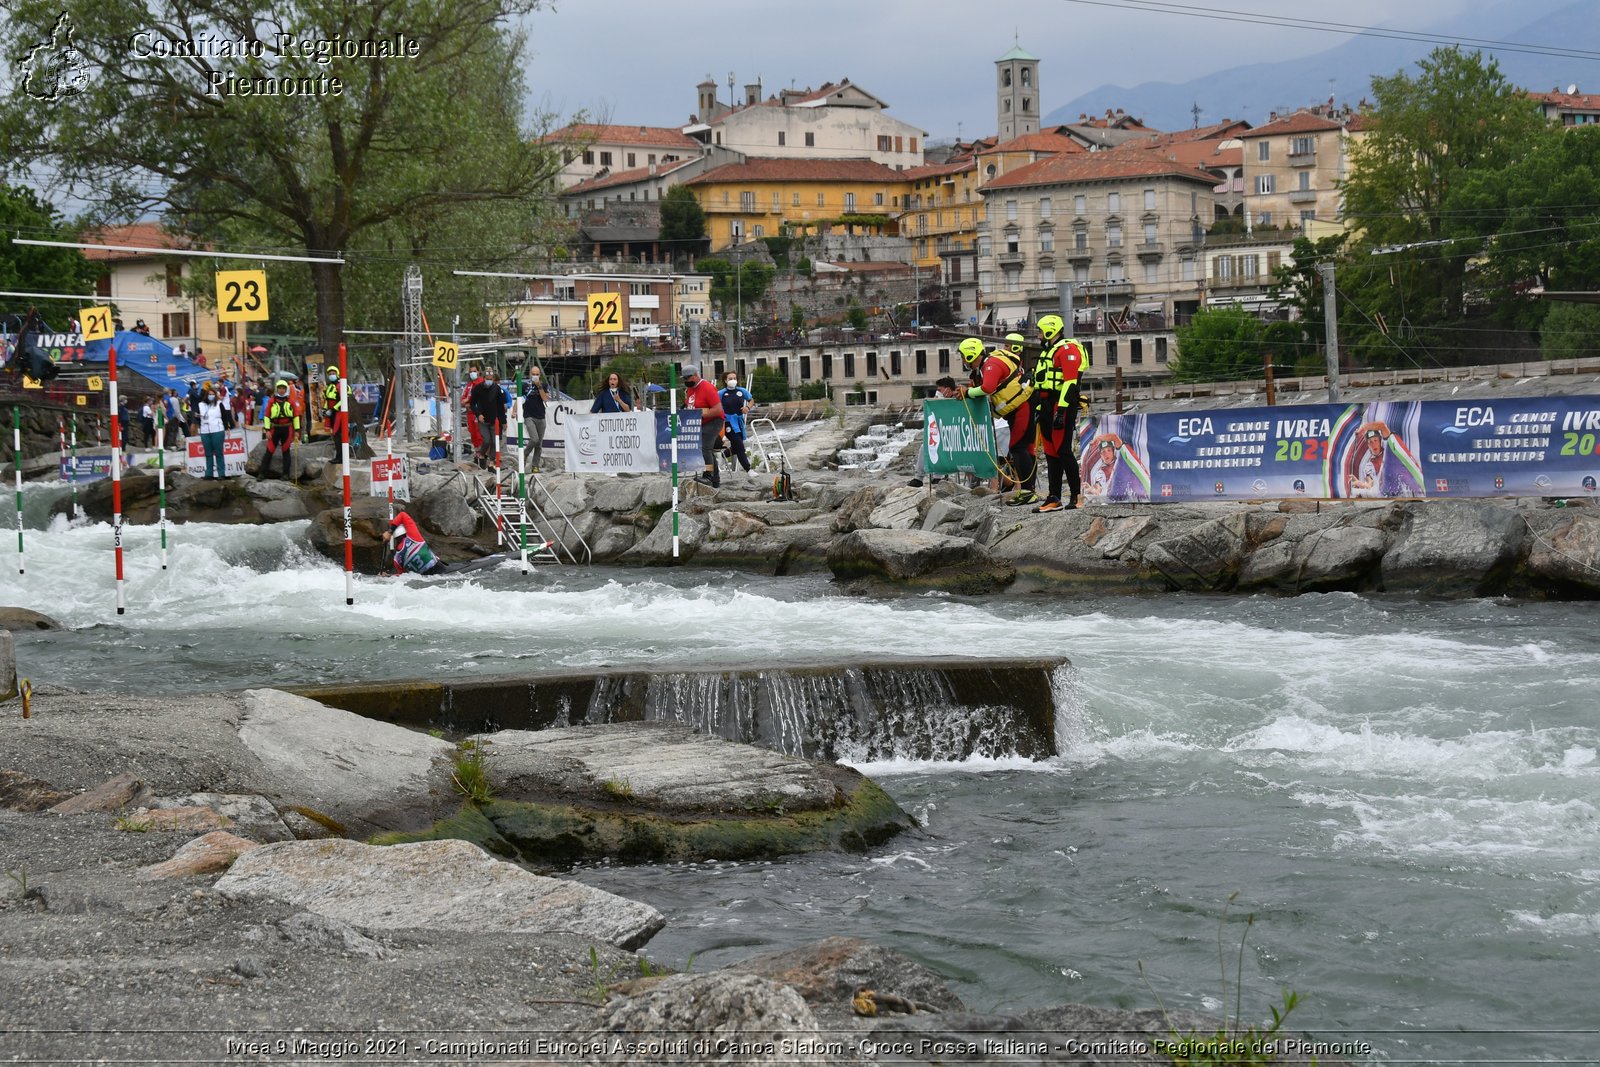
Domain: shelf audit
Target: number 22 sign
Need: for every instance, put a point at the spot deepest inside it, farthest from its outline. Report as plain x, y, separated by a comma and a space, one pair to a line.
605, 312
241, 295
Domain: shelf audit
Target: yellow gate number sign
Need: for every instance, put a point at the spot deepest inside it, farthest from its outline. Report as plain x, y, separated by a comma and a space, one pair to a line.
96, 323
605, 312
241, 295
95, 383
446, 354
82, 400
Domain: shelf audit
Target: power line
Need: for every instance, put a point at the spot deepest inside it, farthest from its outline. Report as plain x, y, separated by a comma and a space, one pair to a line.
1226, 15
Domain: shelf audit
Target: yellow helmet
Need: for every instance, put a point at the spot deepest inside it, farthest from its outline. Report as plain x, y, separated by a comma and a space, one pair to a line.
1014, 341
971, 350
333, 374
1050, 326
281, 385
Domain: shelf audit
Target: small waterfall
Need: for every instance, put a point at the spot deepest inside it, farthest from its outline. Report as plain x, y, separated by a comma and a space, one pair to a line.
875, 449
861, 711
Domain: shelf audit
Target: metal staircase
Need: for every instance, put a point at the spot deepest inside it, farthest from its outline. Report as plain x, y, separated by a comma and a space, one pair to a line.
551, 535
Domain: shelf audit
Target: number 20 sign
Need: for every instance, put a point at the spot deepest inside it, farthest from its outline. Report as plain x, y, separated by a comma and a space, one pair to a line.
241, 295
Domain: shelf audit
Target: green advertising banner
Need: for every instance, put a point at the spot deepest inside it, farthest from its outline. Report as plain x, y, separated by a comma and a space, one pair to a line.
959, 437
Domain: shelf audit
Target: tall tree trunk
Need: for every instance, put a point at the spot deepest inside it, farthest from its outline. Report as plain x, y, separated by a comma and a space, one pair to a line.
329, 281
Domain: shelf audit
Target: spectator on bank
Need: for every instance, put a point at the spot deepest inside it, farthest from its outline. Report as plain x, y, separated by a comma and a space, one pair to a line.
613, 397
535, 397
212, 432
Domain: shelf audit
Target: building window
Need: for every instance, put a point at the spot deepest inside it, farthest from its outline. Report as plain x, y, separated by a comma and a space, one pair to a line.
1047, 275
1263, 150
1011, 209
1223, 268
913, 143
1007, 104
805, 368
631, 163
872, 364
885, 143
795, 200
1027, 102
588, 158
1013, 244
1115, 273
1150, 273
102, 285
777, 200
1111, 353
811, 140
1161, 349
1047, 241
1013, 281
1149, 233
175, 324
922, 361
605, 159
1136, 350
1080, 240
1114, 236
877, 199
1044, 207
1005, 78
174, 276
227, 331
747, 201
736, 229
1303, 146
944, 361
1186, 271
1266, 184
819, 198
894, 364
1080, 204
1264, 219
827, 364
1305, 181
1149, 199
758, 231
1080, 273
849, 364
1249, 265
983, 245
1027, 76
989, 171
652, 159
849, 203
780, 139
1113, 203
1307, 216
986, 281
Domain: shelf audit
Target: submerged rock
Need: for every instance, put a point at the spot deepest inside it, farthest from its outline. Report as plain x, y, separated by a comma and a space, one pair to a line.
920, 559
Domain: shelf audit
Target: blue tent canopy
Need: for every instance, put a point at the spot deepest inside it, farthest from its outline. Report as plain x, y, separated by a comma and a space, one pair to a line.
150, 358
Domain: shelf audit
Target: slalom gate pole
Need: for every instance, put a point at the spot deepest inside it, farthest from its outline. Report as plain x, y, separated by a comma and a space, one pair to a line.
499, 516
388, 453
522, 481
161, 479
61, 431
344, 458
672, 428
116, 480
16, 441
74, 468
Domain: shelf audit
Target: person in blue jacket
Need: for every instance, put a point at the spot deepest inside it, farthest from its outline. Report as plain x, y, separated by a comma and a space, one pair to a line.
614, 396
736, 402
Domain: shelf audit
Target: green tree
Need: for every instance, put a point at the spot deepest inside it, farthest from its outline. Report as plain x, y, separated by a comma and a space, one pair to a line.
1570, 331
797, 317
856, 315
735, 292
1458, 115
683, 221
36, 269
769, 385
1298, 285
1219, 345
362, 142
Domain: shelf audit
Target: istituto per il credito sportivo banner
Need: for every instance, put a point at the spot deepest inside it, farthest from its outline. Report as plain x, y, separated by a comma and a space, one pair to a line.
1543, 446
959, 436
616, 443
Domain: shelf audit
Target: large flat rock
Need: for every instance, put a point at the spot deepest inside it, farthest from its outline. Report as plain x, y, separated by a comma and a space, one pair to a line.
364, 774
434, 885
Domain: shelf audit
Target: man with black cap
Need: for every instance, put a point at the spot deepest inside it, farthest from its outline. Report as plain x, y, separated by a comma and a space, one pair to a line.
703, 395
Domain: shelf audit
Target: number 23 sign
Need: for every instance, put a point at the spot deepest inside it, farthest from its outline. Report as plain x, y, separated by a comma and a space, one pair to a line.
241, 295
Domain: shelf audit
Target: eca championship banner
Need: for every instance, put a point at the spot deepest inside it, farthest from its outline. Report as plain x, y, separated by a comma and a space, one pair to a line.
1539, 446
617, 443
959, 436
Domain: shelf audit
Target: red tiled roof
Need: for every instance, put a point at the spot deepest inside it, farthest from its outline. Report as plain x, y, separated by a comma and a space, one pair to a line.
938, 170
1194, 153
768, 169
1361, 122
626, 177
143, 234
1570, 101
590, 132
1299, 122
1099, 166
1042, 141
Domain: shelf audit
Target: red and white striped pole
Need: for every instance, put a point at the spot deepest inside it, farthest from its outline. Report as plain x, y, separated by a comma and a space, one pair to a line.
116, 481
344, 457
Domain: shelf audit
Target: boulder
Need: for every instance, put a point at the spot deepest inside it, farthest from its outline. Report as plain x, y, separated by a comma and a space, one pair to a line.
186, 820
1207, 558
433, 885
247, 813
855, 511
943, 511
1456, 548
901, 509
109, 796
20, 620
362, 774
919, 558
8, 666
758, 1018
284, 510
210, 854
618, 494
1344, 558
563, 495
369, 531
656, 548
613, 542
1566, 560
828, 973
726, 525
446, 510
22, 792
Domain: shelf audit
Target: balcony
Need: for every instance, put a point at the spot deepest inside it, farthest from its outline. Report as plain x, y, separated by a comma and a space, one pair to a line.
1078, 255
1302, 159
1150, 250
1011, 259
1303, 196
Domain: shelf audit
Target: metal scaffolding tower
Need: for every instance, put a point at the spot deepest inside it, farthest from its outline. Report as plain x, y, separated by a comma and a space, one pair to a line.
410, 379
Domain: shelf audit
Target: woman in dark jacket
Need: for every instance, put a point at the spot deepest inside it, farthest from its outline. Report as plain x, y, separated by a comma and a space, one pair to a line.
613, 396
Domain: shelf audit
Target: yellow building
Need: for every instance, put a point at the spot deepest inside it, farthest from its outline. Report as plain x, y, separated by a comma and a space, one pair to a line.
758, 197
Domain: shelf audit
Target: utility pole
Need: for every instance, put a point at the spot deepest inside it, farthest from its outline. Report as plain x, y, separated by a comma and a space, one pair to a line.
1330, 316
1272, 391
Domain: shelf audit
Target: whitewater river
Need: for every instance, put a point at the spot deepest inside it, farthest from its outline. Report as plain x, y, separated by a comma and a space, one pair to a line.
1404, 794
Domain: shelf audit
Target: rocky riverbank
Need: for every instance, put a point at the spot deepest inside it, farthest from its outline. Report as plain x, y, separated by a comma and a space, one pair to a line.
185, 879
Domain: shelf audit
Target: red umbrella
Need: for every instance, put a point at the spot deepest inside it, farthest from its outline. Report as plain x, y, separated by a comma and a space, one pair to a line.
258, 350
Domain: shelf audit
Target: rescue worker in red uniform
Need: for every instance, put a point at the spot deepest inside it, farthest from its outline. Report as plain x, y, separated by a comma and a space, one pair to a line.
1002, 381
282, 424
332, 417
1055, 395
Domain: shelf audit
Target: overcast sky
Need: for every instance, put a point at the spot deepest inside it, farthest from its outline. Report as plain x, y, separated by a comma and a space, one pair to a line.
638, 61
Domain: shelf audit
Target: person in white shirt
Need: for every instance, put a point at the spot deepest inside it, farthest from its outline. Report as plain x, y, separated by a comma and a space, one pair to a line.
212, 432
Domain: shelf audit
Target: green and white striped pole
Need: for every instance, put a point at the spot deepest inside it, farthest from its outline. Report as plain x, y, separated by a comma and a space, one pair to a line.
74, 467
522, 483
161, 480
672, 430
16, 441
